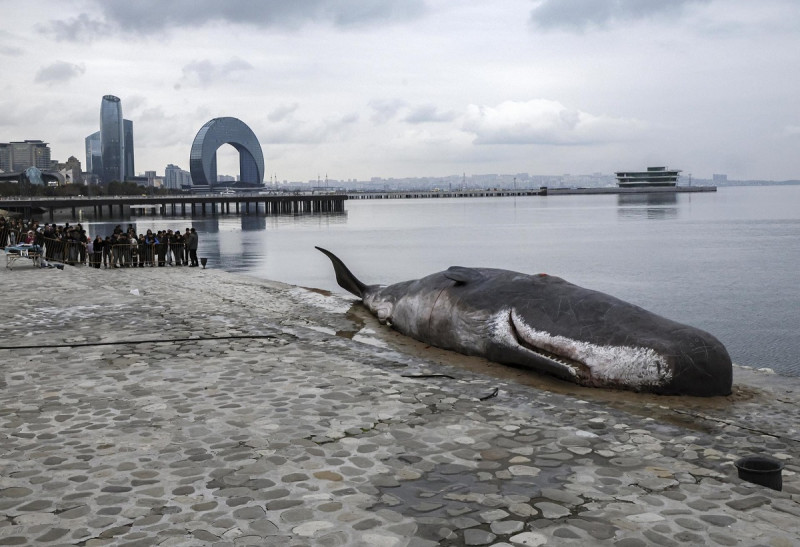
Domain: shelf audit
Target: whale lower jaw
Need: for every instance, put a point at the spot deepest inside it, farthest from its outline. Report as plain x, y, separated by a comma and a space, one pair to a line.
629, 367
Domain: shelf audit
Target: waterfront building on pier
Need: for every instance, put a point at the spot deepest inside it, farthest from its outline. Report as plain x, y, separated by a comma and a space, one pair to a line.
654, 176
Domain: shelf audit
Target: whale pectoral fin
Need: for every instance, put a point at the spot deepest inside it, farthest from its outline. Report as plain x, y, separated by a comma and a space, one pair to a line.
462, 275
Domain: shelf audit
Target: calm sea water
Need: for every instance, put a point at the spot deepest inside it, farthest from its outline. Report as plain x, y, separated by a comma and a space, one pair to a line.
727, 262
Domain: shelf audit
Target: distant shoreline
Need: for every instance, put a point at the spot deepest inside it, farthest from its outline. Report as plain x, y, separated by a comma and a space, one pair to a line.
543, 191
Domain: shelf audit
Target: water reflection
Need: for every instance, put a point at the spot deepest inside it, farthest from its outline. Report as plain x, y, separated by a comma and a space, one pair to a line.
236, 243
211, 224
250, 223
656, 206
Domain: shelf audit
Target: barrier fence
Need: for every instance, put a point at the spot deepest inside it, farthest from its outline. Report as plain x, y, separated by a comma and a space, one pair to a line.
120, 255
11, 236
124, 255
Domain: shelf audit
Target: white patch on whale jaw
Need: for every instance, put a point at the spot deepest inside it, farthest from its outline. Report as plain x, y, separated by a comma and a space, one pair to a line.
589, 364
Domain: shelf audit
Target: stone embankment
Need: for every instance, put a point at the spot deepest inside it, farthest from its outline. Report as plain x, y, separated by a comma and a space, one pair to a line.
177, 406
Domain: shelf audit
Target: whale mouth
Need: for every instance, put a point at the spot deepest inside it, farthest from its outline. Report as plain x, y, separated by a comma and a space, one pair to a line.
567, 367
586, 363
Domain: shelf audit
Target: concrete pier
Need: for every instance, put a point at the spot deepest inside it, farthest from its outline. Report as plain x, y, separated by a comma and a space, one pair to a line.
183, 406
212, 204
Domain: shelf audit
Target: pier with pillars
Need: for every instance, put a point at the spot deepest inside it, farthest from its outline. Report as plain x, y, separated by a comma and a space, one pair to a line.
184, 205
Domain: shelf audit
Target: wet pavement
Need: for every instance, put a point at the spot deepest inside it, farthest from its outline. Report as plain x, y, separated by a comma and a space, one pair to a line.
181, 406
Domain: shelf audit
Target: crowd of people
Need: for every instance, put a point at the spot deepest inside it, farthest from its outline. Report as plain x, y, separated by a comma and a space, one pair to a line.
70, 244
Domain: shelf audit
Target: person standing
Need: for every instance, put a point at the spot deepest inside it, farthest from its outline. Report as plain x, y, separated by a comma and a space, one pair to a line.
97, 248
108, 258
178, 246
191, 245
133, 252
168, 244
142, 244
161, 247
70, 246
185, 248
150, 251
83, 248
116, 251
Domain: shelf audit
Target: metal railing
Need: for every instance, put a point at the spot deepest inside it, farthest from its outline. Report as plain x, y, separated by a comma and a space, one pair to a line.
10, 236
108, 255
114, 255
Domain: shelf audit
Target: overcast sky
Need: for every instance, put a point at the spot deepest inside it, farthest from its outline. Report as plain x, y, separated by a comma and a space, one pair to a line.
397, 88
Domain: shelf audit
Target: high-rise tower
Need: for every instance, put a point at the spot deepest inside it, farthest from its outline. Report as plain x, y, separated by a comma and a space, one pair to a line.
94, 162
127, 144
109, 152
112, 139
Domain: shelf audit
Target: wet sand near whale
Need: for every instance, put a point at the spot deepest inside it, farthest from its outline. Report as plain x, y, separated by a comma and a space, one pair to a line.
217, 409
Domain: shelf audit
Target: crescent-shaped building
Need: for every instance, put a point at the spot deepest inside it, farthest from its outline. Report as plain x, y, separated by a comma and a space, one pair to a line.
215, 133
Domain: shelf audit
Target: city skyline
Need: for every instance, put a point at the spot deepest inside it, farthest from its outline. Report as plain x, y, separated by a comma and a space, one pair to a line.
419, 88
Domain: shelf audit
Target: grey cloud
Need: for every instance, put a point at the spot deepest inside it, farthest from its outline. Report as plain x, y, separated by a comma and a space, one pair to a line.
348, 13
206, 72
385, 109
792, 131
11, 51
544, 122
307, 132
151, 16
344, 120
161, 128
12, 115
132, 103
429, 113
60, 71
153, 114
582, 14
78, 29
388, 109
282, 112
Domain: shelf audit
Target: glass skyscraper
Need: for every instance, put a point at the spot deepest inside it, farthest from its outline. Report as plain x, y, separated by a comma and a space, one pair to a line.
128, 148
109, 152
112, 139
94, 161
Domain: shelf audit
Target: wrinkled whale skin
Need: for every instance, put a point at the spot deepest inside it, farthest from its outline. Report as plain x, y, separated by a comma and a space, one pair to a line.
547, 324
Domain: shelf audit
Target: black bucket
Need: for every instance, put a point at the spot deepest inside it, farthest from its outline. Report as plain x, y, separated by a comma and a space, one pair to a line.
761, 470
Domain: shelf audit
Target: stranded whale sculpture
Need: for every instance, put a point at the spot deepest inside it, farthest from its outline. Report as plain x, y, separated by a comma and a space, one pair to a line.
549, 325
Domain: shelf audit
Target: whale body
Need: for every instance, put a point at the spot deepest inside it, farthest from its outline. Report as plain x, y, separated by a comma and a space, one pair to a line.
546, 324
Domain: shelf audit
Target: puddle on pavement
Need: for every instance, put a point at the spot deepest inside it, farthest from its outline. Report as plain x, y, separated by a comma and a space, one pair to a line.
433, 493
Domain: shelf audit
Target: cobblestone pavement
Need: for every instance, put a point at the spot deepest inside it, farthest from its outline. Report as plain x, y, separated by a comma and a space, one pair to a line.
177, 406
